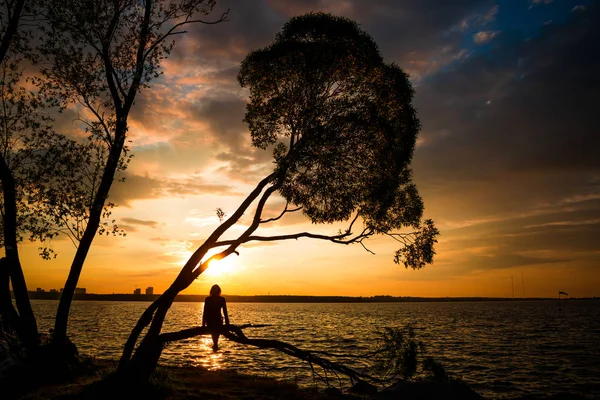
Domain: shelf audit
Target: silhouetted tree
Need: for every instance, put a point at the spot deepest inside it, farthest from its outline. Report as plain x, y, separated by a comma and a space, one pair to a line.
44, 175
10, 267
343, 130
100, 55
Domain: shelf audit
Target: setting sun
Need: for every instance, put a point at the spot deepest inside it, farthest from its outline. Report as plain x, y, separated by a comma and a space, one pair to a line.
223, 267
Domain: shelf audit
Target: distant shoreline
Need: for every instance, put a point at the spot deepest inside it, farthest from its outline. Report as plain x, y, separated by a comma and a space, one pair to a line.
289, 298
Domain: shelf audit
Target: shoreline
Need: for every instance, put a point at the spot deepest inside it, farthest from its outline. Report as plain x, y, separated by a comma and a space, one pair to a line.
185, 383
172, 383
196, 298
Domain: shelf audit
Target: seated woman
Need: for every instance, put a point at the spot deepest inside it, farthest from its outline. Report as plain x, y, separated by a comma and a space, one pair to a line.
211, 316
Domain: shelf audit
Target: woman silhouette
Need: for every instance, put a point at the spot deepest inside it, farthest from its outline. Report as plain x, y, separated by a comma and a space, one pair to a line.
211, 316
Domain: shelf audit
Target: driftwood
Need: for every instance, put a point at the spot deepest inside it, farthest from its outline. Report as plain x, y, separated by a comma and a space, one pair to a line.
235, 333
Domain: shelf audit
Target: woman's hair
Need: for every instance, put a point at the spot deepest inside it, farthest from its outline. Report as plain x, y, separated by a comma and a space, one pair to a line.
215, 290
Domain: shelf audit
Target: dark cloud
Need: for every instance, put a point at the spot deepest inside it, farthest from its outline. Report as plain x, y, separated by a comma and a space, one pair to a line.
225, 117
520, 119
420, 35
250, 24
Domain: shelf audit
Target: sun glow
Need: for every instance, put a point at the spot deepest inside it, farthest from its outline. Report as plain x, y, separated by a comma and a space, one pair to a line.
221, 267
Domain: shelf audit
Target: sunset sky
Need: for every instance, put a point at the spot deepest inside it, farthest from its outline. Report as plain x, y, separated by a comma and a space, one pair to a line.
508, 160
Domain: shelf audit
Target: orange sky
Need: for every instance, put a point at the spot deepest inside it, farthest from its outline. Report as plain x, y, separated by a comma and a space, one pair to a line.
513, 193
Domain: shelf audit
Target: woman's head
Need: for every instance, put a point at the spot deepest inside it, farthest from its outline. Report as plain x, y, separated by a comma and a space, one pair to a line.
215, 290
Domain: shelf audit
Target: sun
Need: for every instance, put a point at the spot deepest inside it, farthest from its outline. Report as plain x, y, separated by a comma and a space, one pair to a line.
221, 267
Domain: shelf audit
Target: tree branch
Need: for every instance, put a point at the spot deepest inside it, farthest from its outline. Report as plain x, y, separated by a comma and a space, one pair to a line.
236, 334
285, 210
171, 31
332, 238
228, 223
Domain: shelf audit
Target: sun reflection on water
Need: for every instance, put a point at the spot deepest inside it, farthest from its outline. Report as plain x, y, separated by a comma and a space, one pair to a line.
207, 358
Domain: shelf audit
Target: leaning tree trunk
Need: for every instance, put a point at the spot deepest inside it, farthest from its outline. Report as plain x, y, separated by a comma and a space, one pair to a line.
145, 360
140, 367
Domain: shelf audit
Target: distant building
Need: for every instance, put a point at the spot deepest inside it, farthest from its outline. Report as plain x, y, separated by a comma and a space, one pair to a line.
77, 290
53, 291
40, 290
137, 291
149, 291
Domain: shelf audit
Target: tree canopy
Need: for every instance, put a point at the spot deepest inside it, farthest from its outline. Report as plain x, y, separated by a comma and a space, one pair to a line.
342, 125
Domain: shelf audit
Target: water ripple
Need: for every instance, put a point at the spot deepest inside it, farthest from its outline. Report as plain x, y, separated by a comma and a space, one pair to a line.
502, 349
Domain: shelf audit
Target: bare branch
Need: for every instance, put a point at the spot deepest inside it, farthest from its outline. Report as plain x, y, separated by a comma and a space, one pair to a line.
199, 330
285, 210
196, 257
365, 247
173, 29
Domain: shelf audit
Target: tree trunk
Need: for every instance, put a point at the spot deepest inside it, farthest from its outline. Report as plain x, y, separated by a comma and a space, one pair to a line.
236, 334
143, 363
12, 26
8, 314
66, 298
28, 327
140, 367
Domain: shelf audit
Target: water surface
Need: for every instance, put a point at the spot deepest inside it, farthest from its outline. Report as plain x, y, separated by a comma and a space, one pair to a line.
501, 349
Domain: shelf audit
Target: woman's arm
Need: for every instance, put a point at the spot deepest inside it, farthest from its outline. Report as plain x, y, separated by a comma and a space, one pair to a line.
225, 312
204, 314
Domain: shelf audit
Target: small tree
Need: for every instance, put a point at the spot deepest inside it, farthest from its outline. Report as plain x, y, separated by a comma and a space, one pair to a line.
100, 55
10, 267
44, 176
343, 130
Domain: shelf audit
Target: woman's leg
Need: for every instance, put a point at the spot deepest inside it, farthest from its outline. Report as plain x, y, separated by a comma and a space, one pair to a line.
215, 338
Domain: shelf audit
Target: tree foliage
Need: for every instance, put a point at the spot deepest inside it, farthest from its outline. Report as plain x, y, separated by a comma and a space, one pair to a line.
343, 128
52, 173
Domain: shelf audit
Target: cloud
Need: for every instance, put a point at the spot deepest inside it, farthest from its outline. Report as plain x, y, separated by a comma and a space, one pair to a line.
507, 158
509, 260
416, 34
197, 106
539, 2
522, 110
224, 116
134, 221
484, 36
146, 187
556, 235
490, 16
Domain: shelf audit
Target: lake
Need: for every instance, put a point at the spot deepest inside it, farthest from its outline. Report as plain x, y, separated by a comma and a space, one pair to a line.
502, 349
